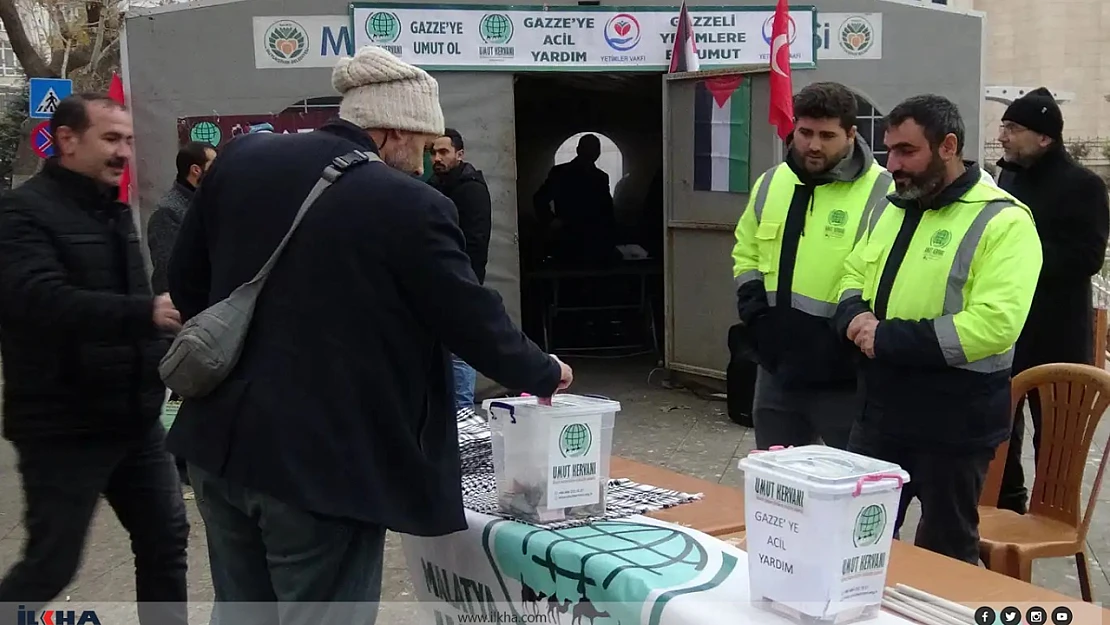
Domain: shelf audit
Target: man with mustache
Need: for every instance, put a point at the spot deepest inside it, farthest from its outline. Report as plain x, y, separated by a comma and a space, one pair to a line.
802, 218
935, 295
81, 335
1069, 203
466, 187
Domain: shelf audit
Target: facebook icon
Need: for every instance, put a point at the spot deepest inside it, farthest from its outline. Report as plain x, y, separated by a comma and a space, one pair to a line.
985, 616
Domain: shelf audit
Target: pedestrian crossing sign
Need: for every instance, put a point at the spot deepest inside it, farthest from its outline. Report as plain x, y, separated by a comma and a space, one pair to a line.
45, 94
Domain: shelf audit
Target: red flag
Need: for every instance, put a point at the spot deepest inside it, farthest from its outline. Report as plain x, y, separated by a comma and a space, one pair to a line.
684, 53
782, 91
115, 91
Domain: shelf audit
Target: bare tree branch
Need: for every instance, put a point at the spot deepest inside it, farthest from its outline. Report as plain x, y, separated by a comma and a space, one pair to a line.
29, 58
95, 53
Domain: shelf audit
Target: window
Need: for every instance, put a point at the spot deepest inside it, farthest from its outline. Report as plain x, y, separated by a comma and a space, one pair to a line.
871, 127
9, 65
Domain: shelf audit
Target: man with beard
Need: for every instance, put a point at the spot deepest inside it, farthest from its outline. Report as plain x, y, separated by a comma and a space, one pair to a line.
81, 335
193, 160
1069, 203
338, 420
466, 188
935, 295
802, 218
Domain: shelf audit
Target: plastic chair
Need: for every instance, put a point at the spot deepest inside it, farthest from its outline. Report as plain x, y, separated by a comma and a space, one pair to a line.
992, 486
1073, 398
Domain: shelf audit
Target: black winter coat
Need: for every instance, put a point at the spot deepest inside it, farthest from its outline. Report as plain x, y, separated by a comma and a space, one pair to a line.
80, 349
1069, 205
342, 402
466, 187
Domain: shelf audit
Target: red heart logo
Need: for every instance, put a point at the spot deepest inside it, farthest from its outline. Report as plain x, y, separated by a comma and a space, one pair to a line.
622, 28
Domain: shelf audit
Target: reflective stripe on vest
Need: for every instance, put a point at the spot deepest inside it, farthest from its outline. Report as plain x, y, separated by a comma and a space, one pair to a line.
846, 200
808, 305
761, 195
876, 203
945, 326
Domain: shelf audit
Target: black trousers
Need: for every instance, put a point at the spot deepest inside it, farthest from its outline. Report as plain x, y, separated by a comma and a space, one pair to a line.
62, 485
1013, 494
947, 485
796, 418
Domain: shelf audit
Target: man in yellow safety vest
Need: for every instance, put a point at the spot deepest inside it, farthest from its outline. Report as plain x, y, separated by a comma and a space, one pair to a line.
935, 295
801, 222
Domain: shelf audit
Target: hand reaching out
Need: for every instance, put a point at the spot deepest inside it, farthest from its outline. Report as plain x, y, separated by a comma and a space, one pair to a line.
566, 376
166, 316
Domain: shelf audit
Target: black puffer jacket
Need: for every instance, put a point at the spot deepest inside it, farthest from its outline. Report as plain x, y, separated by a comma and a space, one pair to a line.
80, 350
466, 187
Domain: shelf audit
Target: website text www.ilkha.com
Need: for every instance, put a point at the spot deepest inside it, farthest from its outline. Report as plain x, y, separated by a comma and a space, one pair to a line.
505, 618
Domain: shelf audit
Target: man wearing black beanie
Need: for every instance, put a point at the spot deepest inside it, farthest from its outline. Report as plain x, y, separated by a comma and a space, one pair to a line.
1069, 204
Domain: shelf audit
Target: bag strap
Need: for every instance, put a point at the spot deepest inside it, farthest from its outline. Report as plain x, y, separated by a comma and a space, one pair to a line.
333, 172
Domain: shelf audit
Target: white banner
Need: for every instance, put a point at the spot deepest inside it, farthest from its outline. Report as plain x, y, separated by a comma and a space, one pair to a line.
560, 38
282, 42
847, 36
636, 571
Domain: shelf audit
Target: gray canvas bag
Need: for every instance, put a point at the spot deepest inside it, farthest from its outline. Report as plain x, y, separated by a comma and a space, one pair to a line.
208, 346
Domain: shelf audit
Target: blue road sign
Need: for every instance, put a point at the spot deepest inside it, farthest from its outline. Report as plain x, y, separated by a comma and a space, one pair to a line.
45, 95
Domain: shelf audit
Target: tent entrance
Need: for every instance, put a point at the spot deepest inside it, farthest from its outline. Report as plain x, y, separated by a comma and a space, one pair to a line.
591, 275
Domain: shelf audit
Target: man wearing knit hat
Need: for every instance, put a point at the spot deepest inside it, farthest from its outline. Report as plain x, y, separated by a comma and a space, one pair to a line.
338, 421
1069, 204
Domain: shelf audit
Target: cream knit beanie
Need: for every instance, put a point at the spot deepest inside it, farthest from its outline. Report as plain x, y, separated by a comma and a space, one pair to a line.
381, 91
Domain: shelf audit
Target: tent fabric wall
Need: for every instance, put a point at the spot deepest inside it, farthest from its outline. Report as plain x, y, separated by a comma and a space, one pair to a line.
172, 76
197, 59
480, 107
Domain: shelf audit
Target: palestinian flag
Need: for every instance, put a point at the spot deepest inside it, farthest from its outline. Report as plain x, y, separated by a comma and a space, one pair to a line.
722, 134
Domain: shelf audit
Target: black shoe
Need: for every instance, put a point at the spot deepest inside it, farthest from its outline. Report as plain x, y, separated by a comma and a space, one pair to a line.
1017, 505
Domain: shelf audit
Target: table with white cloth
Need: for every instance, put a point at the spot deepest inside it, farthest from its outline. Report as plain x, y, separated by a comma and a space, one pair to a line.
625, 567
632, 571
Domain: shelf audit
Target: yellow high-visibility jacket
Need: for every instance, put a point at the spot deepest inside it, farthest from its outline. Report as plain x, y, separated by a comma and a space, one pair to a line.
952, 284
791, 242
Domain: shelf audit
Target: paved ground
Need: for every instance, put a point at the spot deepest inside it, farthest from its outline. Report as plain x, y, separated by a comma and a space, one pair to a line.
672, 428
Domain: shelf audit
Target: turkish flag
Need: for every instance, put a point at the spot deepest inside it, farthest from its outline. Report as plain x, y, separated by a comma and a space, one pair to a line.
115, 91
782, 91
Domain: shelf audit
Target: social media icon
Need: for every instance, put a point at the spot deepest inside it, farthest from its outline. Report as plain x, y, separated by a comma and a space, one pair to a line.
1061, 616
985, 616
1010, 615
1036, 615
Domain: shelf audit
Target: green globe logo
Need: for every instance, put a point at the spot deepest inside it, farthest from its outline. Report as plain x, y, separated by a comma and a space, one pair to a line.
495, 28
383, 27
206, 132
575, 440
941, 238
870, 523
286, 42
838, 217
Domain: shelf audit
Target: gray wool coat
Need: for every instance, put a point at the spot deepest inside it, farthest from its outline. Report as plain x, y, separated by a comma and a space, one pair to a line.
161, 232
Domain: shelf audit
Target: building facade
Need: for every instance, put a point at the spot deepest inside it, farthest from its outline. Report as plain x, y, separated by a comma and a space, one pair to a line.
1063, 45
